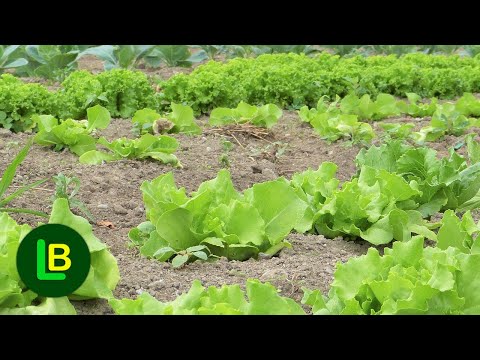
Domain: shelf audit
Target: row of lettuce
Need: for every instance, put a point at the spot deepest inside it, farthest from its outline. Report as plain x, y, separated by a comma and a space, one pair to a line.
396, 190
149, 128
343, 118
290, 80
287, 80
408, 279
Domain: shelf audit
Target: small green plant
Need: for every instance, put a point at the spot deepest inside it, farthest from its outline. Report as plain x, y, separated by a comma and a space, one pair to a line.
447, 120
67, 188
180, 120
224, 160
188, 255
71, 134
397, 130
6, 180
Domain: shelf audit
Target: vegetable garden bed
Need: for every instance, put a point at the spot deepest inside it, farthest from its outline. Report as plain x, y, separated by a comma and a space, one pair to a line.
405, 186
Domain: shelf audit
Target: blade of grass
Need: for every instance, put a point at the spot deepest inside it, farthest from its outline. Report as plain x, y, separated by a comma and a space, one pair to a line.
21, 191
24, 211
9, 173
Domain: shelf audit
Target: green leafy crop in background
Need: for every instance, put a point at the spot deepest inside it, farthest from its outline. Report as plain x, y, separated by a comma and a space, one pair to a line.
126, 92
9, 58
263, 116
297, 80
180, 120
19, 101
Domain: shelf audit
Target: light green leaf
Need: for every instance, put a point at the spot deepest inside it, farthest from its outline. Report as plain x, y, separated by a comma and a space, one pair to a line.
98, 118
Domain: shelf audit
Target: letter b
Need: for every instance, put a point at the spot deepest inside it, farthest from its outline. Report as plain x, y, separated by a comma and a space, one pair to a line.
63, 256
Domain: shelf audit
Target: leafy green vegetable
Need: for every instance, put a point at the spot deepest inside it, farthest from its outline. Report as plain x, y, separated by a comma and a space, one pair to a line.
445, 121
206, 52
119, 56
264, 116
409, 278
447, 183
375, 207
414, 109
262, 299
398, 130
8, 60
160, 148
384, 106
473, 148
171, 55
297, 80
231, 224
331, 126
49, 61
71, 133
98, 118
126, 92
79, 91
19, 101
180, 120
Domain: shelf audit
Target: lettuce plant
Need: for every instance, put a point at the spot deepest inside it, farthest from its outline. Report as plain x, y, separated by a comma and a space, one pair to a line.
216, 219
410, 278
160, 148
263, 116
71, 134
179, 120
